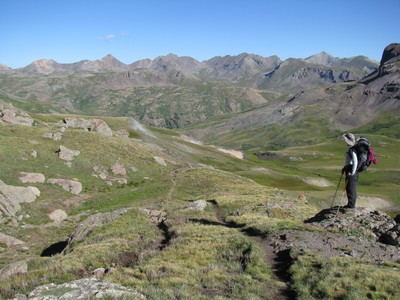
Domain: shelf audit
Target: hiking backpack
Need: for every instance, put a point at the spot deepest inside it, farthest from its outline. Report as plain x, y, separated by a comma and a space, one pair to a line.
365, 154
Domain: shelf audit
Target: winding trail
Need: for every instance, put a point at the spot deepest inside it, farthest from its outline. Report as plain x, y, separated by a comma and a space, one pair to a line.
279, 262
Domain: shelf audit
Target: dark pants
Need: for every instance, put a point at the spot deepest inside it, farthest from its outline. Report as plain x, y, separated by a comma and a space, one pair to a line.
351, 190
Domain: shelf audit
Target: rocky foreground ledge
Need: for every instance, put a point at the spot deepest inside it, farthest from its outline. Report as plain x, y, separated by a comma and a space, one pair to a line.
354, 233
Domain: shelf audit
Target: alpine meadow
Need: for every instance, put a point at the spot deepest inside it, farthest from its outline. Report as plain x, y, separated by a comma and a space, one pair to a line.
171, 178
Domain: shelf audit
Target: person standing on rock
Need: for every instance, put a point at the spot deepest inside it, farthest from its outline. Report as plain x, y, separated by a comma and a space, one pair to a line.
350, 169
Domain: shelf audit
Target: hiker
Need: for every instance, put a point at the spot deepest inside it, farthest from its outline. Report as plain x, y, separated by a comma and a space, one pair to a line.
350, 169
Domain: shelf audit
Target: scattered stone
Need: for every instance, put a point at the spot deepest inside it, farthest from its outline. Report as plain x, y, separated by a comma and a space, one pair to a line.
160, 161
55, 136
100, 272
20, 267
10, 241
67, 154
118, 169
33, 154
121, 181
72, 186
33, 142
32, 177
84, 228
68, 164
86, 288
58, 216
156, 216
294, 158
197, 205
12, 196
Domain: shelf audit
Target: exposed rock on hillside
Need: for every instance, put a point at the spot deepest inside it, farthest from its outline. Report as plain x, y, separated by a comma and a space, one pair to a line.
160, 160
67, 154
327, 244
96, 125
55, 136
84, 228
86, 288
72, 186
9, 114
118, 169
58, 215
32, 177
12, 196
197, 205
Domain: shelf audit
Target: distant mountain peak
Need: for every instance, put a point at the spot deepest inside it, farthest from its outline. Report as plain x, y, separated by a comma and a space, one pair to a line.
322, 58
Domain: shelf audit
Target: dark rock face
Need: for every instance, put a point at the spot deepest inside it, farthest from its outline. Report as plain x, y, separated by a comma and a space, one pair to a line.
390, 52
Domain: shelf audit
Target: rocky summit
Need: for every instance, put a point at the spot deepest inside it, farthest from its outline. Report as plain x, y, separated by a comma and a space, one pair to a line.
171, 178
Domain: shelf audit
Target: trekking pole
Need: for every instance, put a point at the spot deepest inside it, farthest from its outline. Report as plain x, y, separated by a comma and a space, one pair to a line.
334, 197
341, 198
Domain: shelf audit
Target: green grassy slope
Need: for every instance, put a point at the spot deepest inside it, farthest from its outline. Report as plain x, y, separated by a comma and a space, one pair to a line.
193, 254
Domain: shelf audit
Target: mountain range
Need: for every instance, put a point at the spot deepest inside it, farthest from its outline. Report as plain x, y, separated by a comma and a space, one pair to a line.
234, 93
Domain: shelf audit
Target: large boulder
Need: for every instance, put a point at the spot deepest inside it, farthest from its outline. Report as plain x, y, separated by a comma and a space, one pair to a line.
199, 205
12, 196
9, 114
67, 154
72, 186
101, 127
96, 125
58, 215
86, 288
32, 177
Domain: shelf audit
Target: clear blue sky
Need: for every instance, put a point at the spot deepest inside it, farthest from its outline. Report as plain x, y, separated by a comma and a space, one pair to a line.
70, 30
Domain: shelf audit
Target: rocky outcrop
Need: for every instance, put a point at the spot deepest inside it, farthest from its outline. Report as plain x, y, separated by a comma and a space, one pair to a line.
329, 244
373, 223
72, 186
84, 228
20, 267
86, 288
67, 154
12, 196
96, 125
32, 178
9, 114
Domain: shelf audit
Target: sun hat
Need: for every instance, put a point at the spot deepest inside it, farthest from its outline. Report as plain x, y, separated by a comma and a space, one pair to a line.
350, 139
